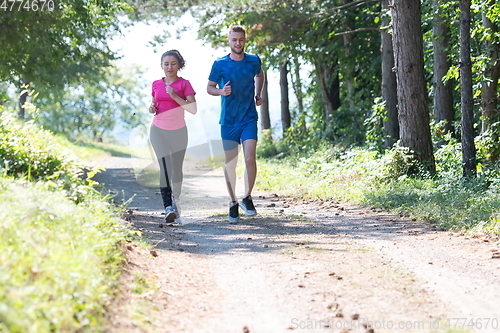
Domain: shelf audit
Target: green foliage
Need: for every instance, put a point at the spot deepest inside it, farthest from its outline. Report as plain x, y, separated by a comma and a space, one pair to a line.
55, 47
60, 254
92, 109
397, 163
266, 147
59, 260
295, 142
367, 177
28, 152
373, 123
25, 151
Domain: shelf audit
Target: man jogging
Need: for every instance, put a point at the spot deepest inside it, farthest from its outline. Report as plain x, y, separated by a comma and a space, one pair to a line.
238, 78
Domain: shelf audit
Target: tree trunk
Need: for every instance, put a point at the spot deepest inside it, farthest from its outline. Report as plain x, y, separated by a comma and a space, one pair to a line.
349, 74
265, 120
443, 93
389, 88
297, 87
329, 85
23, 97
285, 104
468, 147
412, 96
489, 93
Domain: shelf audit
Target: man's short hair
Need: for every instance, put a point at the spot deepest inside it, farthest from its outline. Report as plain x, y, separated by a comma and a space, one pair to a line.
236, 28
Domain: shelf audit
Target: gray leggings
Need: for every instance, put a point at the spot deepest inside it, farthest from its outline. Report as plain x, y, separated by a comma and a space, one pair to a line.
172, 146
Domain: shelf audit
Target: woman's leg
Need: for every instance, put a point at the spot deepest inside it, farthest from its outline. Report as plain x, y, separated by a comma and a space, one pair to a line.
178, 149
158, 139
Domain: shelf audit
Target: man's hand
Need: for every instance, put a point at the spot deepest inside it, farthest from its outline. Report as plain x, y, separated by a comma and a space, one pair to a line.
226, 91
258, 100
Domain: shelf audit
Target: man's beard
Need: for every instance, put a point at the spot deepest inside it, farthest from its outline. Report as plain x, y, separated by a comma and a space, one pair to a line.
240, 51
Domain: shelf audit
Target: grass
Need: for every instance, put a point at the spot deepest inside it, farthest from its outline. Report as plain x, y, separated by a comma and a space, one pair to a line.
90, 150
59, 261
364, 177
60, 239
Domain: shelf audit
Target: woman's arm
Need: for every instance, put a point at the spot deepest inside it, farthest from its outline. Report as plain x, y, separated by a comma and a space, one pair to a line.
152, 107
188, 104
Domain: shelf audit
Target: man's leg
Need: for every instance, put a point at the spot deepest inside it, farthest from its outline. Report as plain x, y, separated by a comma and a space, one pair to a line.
249, 151
249, 147
231, 160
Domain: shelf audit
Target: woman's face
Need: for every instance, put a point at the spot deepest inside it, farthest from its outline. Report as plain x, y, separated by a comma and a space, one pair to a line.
170, 65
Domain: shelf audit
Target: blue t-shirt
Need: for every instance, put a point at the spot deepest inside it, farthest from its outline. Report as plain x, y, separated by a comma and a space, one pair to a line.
239, 107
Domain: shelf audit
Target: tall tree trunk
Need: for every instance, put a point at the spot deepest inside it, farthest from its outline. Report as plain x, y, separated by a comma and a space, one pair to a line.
265, 119
468, 147
389, 88
443, 93
329, 85
349, 74
23, 97
412, 95
297, 87
285, 104
489, 91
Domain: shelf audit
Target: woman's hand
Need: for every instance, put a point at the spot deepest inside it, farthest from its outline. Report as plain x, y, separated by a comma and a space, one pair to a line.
152, 108
171, 91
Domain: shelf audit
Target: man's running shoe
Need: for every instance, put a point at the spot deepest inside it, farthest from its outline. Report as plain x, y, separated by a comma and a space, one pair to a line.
247, 205
169, 214
234, 214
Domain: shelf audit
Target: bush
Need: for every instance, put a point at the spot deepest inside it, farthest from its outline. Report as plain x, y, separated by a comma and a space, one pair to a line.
29, 152
59, 260
60, 254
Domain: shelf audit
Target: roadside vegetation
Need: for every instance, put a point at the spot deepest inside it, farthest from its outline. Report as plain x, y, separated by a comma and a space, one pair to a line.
60, 245
376, 178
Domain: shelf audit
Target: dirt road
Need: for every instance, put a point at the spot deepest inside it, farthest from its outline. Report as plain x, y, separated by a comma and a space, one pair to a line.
300, 265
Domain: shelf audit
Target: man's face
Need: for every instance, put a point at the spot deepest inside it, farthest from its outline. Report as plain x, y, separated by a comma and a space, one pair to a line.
236, 42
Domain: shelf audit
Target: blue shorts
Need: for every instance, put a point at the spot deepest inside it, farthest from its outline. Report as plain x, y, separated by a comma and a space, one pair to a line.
232, 136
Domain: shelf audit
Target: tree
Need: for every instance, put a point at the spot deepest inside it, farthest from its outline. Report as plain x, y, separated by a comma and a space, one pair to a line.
55, 47
316, 33
491, 73
285, 103
467, 123
388, 79
265, 120
93, 108
412, 95
443, 91
299, 94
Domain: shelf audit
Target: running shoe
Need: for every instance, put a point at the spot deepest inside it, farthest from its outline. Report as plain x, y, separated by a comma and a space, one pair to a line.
169, 214
234, 214
247, 205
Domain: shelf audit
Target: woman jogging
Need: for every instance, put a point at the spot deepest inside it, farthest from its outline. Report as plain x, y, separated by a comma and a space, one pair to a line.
171, 96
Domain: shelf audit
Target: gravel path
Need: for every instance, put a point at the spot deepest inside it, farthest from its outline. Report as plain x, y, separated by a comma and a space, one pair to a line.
300, 265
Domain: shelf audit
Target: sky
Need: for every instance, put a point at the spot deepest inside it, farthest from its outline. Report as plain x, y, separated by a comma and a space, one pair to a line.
134, 49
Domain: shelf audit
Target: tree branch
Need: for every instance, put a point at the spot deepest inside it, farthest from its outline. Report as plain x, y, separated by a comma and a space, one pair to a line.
357, 30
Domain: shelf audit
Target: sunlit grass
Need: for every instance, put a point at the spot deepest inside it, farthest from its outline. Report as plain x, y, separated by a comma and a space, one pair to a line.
59, 261
360, 176
60, 253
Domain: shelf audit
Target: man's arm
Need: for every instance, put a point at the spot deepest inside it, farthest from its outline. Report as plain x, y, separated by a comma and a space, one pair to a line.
214, 91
